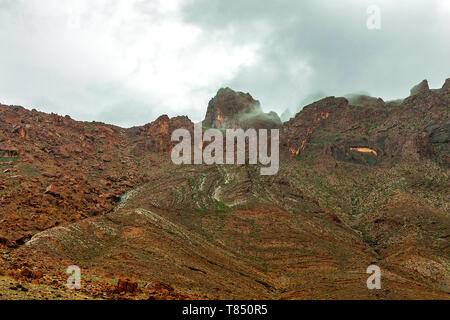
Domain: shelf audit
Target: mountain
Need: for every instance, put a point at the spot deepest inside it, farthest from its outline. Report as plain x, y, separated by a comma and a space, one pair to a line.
361, 182
311, 98
234, 110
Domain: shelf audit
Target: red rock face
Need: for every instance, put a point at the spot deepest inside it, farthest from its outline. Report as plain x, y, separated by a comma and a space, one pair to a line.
127, 286
238, 110
418, 127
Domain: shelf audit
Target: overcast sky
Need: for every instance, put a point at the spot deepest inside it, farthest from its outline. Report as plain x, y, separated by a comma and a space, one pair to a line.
128, 61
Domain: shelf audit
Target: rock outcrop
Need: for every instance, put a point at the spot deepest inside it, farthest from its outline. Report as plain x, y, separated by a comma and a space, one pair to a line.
446, 87
417, 127
235, 110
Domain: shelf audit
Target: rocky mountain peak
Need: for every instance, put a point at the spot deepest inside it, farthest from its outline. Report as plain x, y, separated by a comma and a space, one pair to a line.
65, 182
420, 88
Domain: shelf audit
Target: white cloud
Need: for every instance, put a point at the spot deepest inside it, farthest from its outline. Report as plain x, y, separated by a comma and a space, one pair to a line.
85, 58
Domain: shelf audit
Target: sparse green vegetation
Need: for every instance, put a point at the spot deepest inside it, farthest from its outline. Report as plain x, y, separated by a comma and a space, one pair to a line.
220, 206
29, 171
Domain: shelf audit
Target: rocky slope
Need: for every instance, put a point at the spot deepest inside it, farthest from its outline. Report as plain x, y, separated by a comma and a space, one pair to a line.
361, 182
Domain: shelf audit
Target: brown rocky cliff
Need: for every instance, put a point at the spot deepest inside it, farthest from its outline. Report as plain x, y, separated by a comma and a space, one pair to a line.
297, 132
234, 110
156, 136
420, 88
